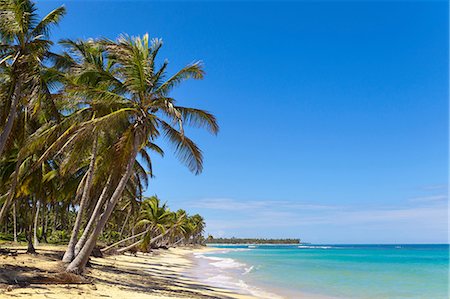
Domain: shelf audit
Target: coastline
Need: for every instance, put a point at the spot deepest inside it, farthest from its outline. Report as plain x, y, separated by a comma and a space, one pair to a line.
339, 271
211, 272
231, 274
226, 273
161, 274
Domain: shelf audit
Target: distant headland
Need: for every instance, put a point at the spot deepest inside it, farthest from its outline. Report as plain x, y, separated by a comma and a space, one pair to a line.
212, 240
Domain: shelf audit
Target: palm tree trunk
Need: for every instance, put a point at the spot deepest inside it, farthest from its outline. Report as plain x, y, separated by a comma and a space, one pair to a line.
55, 213
129, 246
79, 263
44, 223
150, 243
35, 226
125, 223
11, 116
124, 240
94, 216
30, 248
178, 242
12, 192
69, 254
15, 222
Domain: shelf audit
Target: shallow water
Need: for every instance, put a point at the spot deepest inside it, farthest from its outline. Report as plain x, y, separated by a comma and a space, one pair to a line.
338, 271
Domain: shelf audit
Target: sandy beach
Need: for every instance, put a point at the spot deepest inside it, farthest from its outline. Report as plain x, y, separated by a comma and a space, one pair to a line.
160, 274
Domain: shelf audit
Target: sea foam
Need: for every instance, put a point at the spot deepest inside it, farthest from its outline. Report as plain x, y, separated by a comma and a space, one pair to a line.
227, 273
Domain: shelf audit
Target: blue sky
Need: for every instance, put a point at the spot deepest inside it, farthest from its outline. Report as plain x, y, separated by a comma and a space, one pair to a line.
333, 115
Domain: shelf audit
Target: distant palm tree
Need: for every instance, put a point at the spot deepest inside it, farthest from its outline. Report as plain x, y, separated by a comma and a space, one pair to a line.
197, 228
180, 221
154, 221
153, 214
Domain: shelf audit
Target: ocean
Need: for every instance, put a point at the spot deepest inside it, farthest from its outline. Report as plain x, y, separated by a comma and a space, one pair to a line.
328, 271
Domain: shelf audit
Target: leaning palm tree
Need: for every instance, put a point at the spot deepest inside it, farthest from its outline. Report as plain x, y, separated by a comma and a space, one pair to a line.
24, 48
180, 219
84, 65
150, 112
24, 45
197, 228
154, 218
172, 223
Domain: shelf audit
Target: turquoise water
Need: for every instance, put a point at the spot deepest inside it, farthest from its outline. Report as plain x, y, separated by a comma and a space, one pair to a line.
339, 271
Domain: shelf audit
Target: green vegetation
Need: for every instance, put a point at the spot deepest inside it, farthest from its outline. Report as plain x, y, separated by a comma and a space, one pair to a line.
212, 240
78, 130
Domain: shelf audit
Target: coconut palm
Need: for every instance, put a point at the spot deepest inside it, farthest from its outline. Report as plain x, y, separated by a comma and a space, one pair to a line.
160, 223
153, 220
197, 228
150, 112
77, 134
24, 77
180, 220
24, 46
85, 63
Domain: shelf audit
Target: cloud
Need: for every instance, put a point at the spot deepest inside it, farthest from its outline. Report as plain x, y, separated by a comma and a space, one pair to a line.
233, 217
430, 198
427, 215
229, 204
344, 216
435, 187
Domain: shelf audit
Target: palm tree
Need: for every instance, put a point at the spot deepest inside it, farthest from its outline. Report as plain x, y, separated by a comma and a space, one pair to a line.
24, 46
87, 56
150, 112
197, 228
153, 218
159, 223
180, 221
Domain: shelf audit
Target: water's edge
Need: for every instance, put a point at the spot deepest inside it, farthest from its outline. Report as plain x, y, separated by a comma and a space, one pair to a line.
327, 271
226, 273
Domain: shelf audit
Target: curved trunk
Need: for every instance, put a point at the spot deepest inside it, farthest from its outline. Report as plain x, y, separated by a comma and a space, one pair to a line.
12, 192
129, 246
35, 226
124, 240
15, 222
150, 243
69, 254
11, 116
79, 263
125, 223
94, 216
178, 242
44, 223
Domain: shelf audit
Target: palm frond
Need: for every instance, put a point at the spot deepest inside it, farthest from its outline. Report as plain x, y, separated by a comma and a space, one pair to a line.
194, 71
52, 18
185, 149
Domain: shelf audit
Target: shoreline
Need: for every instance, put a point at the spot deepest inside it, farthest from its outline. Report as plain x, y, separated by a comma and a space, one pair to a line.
177, 273
226, 273
185, 272
161, 274
232, 274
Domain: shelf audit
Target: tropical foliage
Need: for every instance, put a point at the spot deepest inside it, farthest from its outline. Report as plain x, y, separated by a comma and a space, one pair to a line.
78, 132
